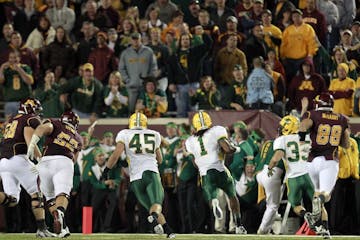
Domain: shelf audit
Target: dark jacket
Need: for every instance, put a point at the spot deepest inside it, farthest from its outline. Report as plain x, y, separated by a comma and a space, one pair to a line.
255, 48
196, 54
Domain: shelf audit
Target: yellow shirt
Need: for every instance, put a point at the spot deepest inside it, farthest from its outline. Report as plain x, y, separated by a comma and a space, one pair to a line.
349, 161
343, 105
298, 42
275, 32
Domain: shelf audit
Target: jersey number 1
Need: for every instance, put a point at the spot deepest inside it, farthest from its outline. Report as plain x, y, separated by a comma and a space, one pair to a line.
202, 147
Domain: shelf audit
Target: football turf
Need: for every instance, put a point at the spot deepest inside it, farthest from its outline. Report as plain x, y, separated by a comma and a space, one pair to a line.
179, 237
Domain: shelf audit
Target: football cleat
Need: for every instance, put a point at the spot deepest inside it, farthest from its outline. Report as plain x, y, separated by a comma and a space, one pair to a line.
216, 209
240, 230
311, 220
158, 229
64, 233
171, 235
321, 230
44, 233
262, 232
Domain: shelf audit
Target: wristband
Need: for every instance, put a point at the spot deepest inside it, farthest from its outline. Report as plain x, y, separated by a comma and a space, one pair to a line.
302, 136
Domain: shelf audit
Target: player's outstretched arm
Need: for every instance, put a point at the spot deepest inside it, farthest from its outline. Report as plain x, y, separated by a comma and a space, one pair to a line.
159, 156
278, 155
305, 124
227, 146
33, 137
115, 156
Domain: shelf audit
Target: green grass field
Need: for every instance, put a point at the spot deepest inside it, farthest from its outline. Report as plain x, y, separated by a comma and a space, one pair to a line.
179, 237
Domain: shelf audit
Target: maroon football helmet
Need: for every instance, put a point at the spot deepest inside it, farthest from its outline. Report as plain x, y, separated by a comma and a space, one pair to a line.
324, 101
30, 106
70, 117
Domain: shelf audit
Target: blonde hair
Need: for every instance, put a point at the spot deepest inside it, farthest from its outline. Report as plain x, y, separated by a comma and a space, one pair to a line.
117, 75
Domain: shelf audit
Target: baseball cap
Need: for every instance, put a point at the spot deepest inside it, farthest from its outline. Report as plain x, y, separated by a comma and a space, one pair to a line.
259, 1
298, 11
88, 66
171, 125
266, 11
347, 31
232, 19
355, 23
194, 2
135, 35
108, 134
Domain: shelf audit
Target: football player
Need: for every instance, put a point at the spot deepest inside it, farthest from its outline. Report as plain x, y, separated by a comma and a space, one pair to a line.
142, 146
205, 145
56, 168
328, 130
15, 169
288, 148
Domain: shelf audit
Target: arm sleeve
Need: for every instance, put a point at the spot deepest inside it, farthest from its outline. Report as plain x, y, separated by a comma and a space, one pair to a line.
120, 137
279, 144
122, 67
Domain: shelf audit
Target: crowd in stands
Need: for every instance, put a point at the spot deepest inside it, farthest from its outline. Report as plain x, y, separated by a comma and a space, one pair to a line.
109, 58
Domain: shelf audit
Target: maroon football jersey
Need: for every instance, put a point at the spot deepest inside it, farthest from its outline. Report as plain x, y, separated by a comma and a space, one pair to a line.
325, 133
14, 141
64, 140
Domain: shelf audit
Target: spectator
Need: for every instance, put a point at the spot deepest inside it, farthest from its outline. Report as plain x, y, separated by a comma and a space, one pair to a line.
87, 43
207, 96
103, 191
116, 97
194, 9
281, 7
151, 101
177, 25
225, 61
278, 90
144, 31
59, 54
128, 27
185, 67
347, 13
16, 79
102, 58
107, 142
41, 36
352, 51
153, 19
100, 21
27, 55
231, 28
133, 14
243, 7
259, 85
299, 41
342, 89
162, 56
135, 62
12, 9
339, 56
26, 20
316, 19
166, 7
275, 64
61, 15
86, 93
5, 40
220, 14
48, 95
236, 96
307, 84
251, 18
331, 13
209, 27
355, 29
108, 10
285, 20
272, 34
114, 41
256, 46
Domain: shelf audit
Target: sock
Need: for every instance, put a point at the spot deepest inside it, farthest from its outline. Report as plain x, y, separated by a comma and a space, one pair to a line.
41, 224
237, 218
322, 198
167, 228
61, 209
302, 213
325, 224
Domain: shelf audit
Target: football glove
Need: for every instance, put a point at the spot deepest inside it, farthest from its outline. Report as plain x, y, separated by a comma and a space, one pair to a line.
105, 174
270, 172
31, 148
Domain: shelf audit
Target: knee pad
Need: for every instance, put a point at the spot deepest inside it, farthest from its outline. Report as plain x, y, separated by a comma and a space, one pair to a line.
9, 201
37, 201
